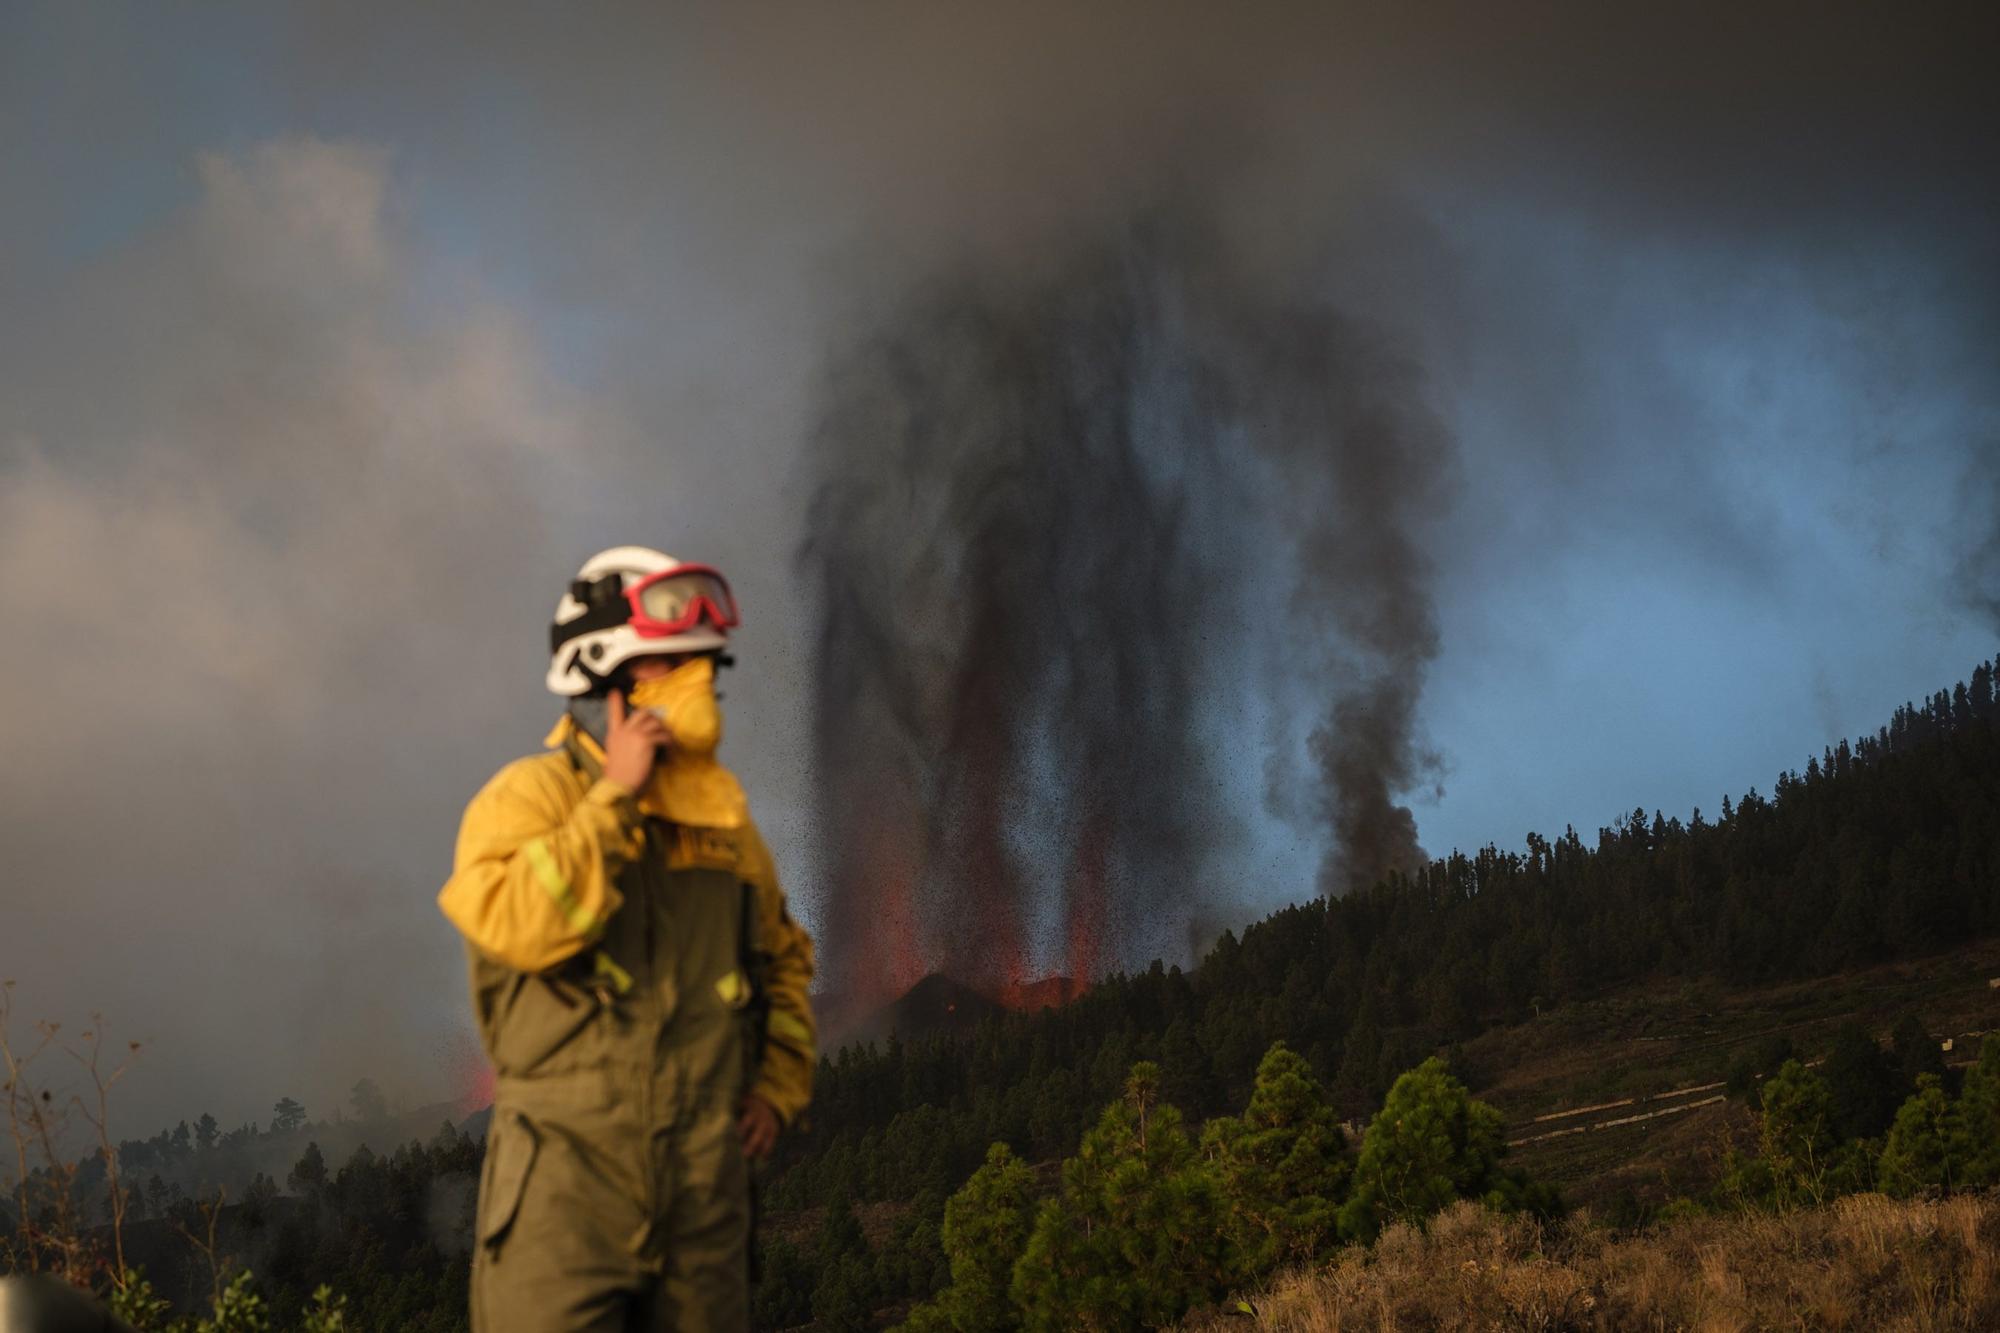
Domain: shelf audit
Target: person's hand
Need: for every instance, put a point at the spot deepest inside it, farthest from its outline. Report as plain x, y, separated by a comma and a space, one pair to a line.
632, 742
757, 1125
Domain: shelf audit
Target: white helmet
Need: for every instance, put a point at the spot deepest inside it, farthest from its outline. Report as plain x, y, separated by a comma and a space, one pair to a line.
631, 601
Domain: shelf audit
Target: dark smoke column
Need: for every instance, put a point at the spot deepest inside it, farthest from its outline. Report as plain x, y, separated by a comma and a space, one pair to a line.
1059, 520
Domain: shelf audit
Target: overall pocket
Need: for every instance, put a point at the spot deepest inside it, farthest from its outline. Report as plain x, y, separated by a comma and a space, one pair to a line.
511, 1145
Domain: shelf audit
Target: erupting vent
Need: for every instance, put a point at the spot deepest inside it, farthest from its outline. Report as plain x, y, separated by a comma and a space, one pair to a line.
1063, 525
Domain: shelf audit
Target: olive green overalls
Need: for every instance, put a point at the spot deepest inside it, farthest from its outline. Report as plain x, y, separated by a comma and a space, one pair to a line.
615, 1194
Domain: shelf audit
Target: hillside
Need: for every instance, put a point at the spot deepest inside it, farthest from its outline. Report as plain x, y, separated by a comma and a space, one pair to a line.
1574, 1082
1884, 849
1661, 955
1618, 1100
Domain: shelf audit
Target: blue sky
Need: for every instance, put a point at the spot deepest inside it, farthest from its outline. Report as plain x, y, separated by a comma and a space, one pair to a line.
404, 308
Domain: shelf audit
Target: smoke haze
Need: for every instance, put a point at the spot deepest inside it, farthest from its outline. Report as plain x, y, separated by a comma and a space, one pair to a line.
1642, 364
1058, 519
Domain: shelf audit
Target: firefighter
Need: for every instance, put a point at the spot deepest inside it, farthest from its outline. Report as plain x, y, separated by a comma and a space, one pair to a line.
638, 982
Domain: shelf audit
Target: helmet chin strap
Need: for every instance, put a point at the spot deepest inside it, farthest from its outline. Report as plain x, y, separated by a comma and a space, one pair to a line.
592, 712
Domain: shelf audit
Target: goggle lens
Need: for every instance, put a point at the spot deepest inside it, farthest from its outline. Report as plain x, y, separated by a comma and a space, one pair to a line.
674, 600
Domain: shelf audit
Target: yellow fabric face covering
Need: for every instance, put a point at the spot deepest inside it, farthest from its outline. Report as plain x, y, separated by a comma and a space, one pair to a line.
685, 700
689, 785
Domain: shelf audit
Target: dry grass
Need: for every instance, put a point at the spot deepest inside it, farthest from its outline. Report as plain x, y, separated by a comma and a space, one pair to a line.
1862, 1263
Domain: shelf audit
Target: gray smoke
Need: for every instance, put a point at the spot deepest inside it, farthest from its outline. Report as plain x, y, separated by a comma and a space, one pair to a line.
341, 334
1065, 517
1978, 567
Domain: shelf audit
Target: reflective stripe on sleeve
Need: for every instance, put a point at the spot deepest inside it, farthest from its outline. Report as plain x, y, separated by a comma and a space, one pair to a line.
546, 870
789, 1026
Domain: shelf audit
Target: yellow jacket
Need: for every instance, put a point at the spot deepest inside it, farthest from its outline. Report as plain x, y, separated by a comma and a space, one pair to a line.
564, 877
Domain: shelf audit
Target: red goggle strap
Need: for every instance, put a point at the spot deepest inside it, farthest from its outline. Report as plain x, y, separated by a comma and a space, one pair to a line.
609, 604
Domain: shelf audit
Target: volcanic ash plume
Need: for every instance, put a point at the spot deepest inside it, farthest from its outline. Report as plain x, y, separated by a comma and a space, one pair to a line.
1063, 522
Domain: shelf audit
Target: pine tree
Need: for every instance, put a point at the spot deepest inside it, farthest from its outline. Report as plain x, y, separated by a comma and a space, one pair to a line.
844, 1300
1763, 1059
368, 1102
309, 1176
1187, 1077
1283, 1166
1928, 1145
1796, 1134
1431, 1143
782, 1297
1135, 1237
1917, 1051
1356, 1085
1862, 1082
911, 1263
1979, 1109
986, 1226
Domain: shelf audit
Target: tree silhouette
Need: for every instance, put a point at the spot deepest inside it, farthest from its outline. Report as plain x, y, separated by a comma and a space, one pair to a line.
1916, 1051
1863, 1083
844, 1300
368, 1102
309, 1176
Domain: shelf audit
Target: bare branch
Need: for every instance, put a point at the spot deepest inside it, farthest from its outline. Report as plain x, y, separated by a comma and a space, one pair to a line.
99, 1118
